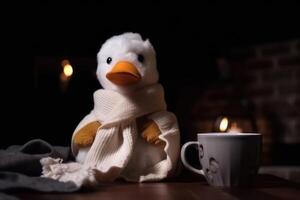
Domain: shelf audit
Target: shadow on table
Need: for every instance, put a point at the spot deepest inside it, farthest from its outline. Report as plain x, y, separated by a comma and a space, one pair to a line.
186, 176
270, 181
246, 194
261, 181
265, 187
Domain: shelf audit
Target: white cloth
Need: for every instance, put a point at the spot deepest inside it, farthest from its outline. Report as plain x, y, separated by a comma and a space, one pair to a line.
118, 149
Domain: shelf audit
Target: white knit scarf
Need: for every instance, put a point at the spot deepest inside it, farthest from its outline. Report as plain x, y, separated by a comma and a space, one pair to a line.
118, 149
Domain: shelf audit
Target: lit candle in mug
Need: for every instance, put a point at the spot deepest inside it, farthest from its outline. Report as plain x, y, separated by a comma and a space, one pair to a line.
226, 126
234, 128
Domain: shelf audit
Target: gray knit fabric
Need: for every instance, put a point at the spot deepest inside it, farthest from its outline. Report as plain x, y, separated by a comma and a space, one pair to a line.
20, 168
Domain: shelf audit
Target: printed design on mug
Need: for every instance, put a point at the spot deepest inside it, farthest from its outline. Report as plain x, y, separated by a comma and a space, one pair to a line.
213, 172
213, 165
201, 151
209, 176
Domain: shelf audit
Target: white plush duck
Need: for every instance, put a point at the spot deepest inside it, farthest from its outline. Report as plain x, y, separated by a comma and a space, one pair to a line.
129, 134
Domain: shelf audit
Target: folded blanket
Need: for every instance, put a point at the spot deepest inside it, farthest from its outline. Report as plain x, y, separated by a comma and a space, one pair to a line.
20, 168
25, 158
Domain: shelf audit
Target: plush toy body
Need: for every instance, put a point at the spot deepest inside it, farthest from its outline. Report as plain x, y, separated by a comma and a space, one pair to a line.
85, 136
129, 134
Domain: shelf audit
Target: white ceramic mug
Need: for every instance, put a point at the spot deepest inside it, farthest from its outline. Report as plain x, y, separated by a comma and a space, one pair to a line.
227, 159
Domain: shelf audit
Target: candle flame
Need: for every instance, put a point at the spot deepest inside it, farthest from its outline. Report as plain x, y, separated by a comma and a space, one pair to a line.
234, 128
223, 124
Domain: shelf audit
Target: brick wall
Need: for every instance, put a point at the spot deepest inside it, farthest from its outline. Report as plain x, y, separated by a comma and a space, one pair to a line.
258, 83
270, 77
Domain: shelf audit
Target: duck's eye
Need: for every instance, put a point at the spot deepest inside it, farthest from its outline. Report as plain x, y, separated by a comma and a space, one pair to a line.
140, 58
108, 60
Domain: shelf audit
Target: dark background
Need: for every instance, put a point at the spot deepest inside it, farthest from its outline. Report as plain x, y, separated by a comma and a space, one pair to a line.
187, 37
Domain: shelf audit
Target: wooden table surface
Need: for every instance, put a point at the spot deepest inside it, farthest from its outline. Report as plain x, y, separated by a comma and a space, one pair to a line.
183, 187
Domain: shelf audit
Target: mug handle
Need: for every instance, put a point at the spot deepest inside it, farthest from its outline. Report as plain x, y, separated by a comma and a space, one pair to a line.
185, 163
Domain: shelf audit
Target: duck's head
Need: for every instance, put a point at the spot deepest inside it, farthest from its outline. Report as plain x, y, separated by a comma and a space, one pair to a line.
126, 62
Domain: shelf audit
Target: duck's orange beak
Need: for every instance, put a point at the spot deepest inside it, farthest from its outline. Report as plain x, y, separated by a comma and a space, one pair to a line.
124, 73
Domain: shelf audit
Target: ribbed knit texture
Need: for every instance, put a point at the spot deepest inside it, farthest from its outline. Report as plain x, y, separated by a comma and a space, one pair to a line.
118, 149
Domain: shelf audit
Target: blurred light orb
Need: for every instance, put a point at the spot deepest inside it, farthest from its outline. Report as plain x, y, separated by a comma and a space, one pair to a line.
67, 68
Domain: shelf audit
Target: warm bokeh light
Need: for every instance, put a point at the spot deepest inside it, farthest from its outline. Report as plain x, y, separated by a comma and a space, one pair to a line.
68, 70
67, 67
234, 128
223, 124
